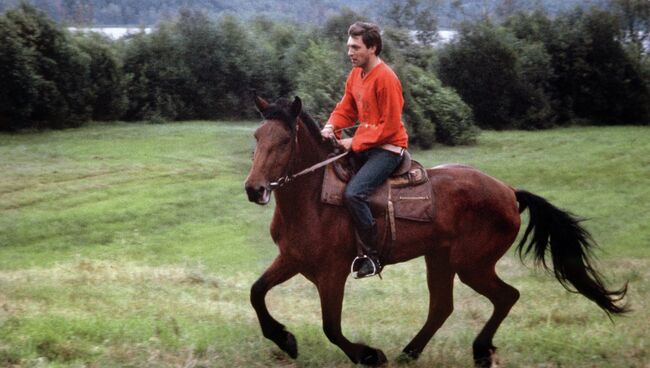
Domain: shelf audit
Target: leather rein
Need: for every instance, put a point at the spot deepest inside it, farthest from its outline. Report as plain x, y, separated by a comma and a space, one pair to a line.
287, 178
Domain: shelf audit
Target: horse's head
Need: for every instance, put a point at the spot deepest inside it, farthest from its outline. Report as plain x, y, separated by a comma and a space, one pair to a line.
275, 143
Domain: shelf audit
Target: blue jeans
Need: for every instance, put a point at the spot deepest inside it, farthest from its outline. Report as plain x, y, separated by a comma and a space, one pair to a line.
377, 165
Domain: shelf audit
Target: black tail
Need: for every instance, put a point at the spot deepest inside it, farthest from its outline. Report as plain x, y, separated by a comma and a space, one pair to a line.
570, 248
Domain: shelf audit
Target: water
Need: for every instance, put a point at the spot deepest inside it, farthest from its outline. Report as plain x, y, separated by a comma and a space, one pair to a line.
112, 32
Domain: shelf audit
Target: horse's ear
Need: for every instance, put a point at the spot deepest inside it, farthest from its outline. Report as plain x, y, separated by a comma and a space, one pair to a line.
296, 107
261, 103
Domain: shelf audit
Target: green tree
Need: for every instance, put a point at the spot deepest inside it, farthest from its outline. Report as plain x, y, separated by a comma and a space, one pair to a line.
157, 78
277, 56
634, 18
321, 82
52, 86
595, 79
534, 67
336, 26
18, 78
107, 96
414, 15
435, 113
482, 67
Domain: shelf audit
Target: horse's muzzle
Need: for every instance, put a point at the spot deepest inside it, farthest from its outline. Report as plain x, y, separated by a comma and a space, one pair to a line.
258, 194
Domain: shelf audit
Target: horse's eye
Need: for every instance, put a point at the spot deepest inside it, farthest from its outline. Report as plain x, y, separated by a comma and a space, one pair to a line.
285, 141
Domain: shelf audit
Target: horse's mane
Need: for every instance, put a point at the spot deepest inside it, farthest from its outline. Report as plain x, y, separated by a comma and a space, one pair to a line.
311, 124
280, 111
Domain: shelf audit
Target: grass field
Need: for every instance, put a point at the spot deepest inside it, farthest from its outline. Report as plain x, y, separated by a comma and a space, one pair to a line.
134, 246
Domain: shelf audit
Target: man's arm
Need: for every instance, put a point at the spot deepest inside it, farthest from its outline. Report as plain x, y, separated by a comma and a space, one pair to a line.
345, 113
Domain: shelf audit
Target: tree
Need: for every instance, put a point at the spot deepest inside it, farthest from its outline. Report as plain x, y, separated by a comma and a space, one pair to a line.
634, 17
18, 78
322, 80
46, 73
415, 15
435, 113
278, 56
107, 96
158, 81
482, 66
595, 79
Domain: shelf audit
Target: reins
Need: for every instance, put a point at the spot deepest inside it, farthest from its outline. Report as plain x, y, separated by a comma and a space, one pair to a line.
288, 178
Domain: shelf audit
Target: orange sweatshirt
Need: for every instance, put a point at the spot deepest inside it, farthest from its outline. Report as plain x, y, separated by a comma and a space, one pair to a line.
376, 102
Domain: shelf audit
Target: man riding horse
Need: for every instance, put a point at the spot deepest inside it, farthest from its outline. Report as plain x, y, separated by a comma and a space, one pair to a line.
373, 97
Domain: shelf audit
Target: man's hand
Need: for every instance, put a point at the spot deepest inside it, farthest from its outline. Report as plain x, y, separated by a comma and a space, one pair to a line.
346, 143
327, 132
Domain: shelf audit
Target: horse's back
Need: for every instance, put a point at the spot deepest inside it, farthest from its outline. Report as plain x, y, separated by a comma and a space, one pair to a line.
457, 177
469, 202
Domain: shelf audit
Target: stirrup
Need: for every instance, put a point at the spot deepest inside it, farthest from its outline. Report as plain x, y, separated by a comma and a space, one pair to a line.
375, 270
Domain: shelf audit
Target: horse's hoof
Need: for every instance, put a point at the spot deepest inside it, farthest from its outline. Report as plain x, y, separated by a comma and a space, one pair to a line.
407, 357
373, 357
289, 345
486, 358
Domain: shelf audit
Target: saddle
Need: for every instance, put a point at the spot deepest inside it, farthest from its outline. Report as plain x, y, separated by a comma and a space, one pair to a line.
405, 195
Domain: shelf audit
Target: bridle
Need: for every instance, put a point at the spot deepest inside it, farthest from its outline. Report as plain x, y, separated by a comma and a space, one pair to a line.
288, 177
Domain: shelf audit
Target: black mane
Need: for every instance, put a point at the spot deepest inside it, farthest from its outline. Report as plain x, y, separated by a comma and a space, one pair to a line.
313, 127
280, 110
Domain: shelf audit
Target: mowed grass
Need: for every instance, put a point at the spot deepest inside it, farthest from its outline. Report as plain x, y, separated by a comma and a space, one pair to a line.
135, 246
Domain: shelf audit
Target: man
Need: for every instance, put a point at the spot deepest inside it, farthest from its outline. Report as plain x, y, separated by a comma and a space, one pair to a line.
373, 98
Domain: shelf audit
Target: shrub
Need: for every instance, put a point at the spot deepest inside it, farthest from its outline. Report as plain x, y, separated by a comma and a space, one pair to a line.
435, 113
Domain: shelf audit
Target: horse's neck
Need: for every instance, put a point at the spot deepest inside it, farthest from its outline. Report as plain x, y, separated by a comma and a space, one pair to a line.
292, 198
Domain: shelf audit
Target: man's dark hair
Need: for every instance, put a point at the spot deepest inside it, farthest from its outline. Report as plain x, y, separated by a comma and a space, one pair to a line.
370, 34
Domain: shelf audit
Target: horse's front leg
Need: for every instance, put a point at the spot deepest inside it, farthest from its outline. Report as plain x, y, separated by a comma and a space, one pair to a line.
280, 271
331, 289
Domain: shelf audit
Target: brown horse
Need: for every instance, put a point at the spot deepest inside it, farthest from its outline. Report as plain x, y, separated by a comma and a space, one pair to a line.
477, 219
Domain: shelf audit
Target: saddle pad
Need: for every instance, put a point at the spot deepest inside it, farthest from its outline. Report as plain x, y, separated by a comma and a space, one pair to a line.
409, 202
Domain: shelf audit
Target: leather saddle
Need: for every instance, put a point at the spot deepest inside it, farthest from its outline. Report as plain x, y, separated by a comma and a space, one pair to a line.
407, 194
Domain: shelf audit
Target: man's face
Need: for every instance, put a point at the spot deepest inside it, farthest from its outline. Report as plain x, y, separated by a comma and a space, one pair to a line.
358, 52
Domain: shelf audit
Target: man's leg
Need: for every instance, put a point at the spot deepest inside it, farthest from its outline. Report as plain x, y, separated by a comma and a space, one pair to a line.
377, 168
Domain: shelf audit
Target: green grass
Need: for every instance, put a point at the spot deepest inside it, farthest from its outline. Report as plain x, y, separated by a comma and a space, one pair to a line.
134, 246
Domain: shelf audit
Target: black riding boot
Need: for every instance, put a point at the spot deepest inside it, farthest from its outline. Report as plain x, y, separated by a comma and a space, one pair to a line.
370, 265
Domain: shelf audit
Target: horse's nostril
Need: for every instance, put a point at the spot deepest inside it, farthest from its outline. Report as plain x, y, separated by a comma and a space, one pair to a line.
254, 192
251, 192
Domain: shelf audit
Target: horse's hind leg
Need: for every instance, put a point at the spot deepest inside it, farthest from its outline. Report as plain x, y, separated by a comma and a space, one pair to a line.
440, 280
485, 281
279, 272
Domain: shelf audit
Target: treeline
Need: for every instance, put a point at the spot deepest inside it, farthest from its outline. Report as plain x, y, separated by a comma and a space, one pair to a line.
195, 67
149, 12
535, 72
531, 71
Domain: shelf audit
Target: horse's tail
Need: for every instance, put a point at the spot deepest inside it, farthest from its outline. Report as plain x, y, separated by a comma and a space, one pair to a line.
570, 248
